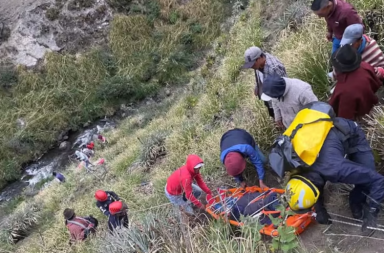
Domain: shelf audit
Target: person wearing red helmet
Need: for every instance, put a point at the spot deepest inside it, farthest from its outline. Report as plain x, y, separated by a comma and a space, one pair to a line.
180, 189
91, 145
118, 217
104, 199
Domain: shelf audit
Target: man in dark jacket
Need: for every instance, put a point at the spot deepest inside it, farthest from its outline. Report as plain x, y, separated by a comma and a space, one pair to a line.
346, 139
263, 64
338, 14
354, 94
118, 217
236, 145
104, 199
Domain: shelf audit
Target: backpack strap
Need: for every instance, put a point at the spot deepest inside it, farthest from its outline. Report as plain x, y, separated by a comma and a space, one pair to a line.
77, 223
299, 126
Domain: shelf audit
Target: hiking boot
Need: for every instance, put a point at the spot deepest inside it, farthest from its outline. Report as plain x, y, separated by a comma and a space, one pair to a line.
357, 211
369, 220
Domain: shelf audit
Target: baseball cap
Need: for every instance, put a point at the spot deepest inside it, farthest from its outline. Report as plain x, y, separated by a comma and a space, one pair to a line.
234, 163
265, 97
251, 55
352, 33
319, 4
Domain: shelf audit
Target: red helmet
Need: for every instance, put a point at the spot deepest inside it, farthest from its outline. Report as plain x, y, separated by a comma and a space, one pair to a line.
115, 207
101, 195
91, 145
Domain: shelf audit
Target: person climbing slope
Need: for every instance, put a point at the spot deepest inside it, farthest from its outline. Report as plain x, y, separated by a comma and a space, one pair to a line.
180, 189
236, 145
118, 217
79, 227
263, 64
104, 199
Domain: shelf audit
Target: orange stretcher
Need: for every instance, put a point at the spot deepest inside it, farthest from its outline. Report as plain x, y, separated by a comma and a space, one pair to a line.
299, 221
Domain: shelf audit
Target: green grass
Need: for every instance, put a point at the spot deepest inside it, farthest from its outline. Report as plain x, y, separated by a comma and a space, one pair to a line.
144, 54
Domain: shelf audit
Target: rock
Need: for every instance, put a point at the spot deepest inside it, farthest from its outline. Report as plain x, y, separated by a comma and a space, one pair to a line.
167, 92
64, 145
65, 137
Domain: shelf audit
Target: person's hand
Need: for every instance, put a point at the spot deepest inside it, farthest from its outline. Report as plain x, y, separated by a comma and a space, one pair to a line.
329, 36
262, 185
279, 124
243, 184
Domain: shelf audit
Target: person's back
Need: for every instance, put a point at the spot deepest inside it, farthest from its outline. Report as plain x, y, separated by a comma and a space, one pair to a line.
104, 199
117, 221
176, 179
77, 227
235, 137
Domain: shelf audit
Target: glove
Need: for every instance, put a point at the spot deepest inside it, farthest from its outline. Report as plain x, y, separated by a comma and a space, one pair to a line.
322, 217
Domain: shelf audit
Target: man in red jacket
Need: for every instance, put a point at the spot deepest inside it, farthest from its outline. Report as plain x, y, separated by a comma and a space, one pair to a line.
180, 189
354, 94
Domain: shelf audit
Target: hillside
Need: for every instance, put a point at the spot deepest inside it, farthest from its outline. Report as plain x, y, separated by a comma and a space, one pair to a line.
147, 146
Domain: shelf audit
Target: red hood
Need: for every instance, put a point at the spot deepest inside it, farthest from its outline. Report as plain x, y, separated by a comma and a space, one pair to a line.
192, 161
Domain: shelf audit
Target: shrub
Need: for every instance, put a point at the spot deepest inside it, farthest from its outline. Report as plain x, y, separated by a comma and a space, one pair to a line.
153, 148
120, 5
8, 77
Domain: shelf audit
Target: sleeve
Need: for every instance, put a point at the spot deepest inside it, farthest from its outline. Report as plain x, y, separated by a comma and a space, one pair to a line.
103, 210
187, 186
307, 96
250, 152
380, 73
346, 107
114, 196
279, 70
200, 182
352, 17
276, 110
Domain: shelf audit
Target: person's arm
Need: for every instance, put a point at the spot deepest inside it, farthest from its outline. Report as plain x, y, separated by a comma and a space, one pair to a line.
380, 73
352, 17
187, 186
103, 210
250, 152
200, 182
276, 111
114, 195
347, 106
307, 96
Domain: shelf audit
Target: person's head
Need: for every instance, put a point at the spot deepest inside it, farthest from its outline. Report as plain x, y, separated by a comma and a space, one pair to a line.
353, 35
234, 163
194, 163
254, 58
273, 87
303, 194
69, 214
117, 207
322, 8
101, 195
346, 59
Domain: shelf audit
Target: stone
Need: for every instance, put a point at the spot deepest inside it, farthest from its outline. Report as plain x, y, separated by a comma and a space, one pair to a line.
64, 145
167, 92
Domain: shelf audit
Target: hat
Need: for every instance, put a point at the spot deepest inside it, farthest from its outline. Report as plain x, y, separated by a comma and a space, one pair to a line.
115, 207
68, 213
352, 33
319, 4
273, 87
346, 59
101, 195
234, 162
251, 55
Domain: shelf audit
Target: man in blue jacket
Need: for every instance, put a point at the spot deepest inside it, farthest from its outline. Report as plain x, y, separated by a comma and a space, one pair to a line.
236, 145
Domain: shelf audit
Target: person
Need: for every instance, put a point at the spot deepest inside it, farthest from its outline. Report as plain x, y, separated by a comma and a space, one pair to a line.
236, 145
288, 96
345, 157
84, 158
101, 138
365, 46
58, 176
118, 217
79, 227
338, 14
90, 145
88, 152
104, 199
354, 94
180, 189
263, 64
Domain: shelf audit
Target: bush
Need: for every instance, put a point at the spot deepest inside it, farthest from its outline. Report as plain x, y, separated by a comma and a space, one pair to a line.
8, 77
120, 5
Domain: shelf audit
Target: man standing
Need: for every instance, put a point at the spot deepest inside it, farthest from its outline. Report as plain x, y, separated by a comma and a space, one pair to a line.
365, 46
354, 95
339, 15
104, 199
236, 145
264, 64
288, 97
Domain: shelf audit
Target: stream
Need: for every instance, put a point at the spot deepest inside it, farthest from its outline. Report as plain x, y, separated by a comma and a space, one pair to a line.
55, 159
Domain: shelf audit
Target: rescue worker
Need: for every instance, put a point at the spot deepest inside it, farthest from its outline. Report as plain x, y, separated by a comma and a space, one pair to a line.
83, 158
288, 96
104, 199
118, 217
91, 145
263, 64
79, 227
345, 157
180, 189
236, 145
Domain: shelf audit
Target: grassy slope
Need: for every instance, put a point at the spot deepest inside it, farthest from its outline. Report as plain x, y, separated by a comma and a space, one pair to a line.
146, 51
192, 121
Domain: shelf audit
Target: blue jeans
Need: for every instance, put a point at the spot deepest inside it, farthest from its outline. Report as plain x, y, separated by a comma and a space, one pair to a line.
335, 44
177, 200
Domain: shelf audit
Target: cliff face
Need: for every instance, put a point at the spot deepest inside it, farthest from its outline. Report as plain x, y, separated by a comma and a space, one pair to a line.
30, 28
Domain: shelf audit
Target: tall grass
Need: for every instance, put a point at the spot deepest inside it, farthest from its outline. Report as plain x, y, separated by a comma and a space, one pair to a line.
146, 51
